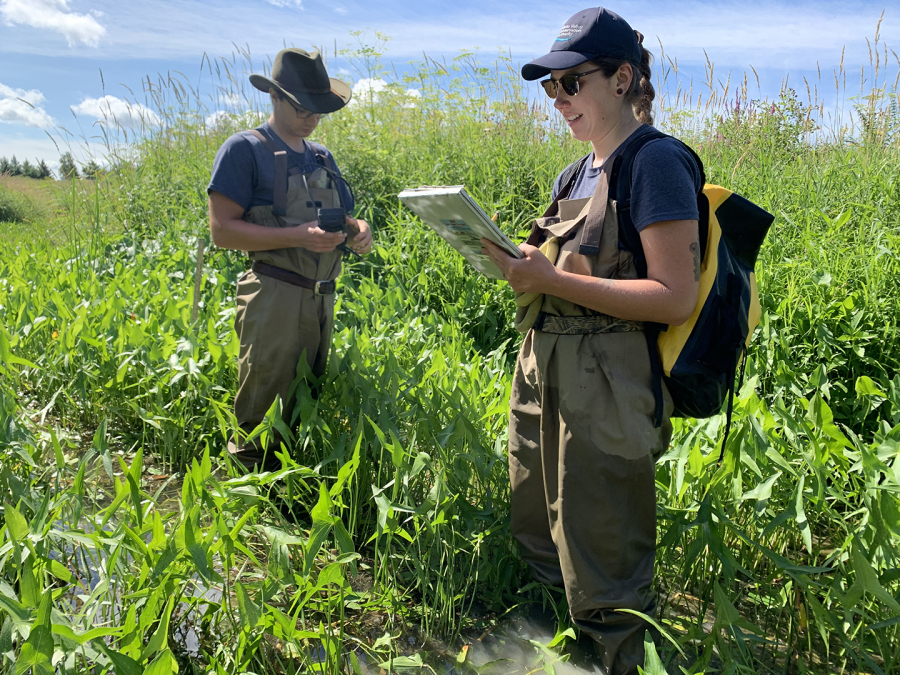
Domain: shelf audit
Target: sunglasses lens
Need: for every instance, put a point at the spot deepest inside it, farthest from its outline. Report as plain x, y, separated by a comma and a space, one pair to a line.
550, 87
569, 84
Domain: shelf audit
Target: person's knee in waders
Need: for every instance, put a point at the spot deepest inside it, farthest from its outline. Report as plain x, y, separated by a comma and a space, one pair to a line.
281, 198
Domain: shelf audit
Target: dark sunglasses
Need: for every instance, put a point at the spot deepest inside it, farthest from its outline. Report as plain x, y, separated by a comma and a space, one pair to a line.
569, 83
303, 113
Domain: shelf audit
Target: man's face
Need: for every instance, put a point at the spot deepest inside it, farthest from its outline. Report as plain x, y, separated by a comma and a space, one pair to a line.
293, 118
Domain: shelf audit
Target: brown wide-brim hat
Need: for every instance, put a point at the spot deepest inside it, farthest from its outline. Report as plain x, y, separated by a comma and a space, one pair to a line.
301, 76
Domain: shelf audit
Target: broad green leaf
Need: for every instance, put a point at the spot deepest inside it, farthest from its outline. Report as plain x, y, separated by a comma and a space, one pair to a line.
58, 570
865, 386
198, 557
163, 664
800, 515
248, 610
403, 663
82, 638
422, 462
6, 643
866, 582
16, 524
332, 574
763, 490
29, 584
321, 528
159, 641
125, 665
317, 536
727, 615
561, 637
21, 616
169, 555
397, 451
342, 538
37, 652
652, 663
100, 445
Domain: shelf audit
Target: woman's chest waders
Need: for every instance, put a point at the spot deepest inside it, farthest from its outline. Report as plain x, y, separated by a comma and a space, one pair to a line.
277, 321
583, 442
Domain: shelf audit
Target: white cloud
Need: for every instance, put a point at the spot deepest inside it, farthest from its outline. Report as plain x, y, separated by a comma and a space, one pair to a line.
213, 119
15, 110
116, 112
229, 99
246, 119
340, 10
366, 90
286, 3
53, 15
412, 95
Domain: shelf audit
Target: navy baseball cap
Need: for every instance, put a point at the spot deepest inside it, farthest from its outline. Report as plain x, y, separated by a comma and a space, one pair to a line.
589, 34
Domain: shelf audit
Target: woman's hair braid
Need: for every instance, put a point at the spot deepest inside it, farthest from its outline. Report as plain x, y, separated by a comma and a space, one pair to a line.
642, 92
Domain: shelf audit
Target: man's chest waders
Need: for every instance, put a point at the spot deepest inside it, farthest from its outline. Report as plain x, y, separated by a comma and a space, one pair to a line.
285, 304
582, 442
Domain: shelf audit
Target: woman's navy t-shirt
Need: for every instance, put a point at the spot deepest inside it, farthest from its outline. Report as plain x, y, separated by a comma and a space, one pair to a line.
665, 181
244, 169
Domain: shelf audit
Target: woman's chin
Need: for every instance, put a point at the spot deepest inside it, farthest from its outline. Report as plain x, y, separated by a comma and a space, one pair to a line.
578, 135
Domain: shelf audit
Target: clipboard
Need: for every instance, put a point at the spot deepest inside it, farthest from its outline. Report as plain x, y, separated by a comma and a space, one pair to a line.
451, 212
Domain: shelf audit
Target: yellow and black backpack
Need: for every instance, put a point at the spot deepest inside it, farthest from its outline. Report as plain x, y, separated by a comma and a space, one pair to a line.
698, 359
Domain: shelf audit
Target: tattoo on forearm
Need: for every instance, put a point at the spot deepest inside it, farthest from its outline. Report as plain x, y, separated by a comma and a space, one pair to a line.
695, 249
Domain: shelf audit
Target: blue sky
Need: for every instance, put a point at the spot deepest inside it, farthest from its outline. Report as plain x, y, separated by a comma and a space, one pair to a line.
52, 52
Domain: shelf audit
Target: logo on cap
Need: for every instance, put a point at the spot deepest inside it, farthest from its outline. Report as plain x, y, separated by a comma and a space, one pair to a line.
569, 31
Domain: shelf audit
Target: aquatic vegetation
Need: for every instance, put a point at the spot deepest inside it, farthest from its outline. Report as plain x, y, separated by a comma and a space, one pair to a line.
129, 545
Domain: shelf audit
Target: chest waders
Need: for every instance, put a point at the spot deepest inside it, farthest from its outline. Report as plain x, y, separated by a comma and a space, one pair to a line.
285, 304
583, 442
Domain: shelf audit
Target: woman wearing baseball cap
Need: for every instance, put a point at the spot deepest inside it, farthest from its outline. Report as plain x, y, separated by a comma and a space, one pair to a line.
585, 428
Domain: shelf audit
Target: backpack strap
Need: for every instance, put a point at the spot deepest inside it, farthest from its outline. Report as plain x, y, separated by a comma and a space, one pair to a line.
620, 186
279, 198
630, 240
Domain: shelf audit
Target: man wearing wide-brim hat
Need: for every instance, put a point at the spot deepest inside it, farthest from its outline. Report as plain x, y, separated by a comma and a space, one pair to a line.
265, 194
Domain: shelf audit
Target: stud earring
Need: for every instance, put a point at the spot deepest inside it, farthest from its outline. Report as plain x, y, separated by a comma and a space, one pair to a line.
619, 91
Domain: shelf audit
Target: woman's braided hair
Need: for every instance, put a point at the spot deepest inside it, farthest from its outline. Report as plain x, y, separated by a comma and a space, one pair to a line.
641, 93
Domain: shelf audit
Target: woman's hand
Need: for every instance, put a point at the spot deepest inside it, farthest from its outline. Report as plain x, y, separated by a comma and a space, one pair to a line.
532, 274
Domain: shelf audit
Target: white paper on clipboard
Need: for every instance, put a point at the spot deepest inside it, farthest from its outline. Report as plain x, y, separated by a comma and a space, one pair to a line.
458, 218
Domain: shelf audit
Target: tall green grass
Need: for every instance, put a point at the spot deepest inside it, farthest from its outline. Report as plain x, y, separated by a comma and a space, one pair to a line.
781, 559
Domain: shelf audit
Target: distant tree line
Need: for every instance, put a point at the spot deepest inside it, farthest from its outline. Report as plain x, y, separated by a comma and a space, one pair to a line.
25, 168
67, 168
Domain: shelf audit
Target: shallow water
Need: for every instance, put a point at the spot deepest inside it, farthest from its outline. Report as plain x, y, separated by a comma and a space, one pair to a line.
515, 645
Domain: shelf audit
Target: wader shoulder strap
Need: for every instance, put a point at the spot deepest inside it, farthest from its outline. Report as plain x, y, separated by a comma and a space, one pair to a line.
566, 181
593, 226
279, 198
